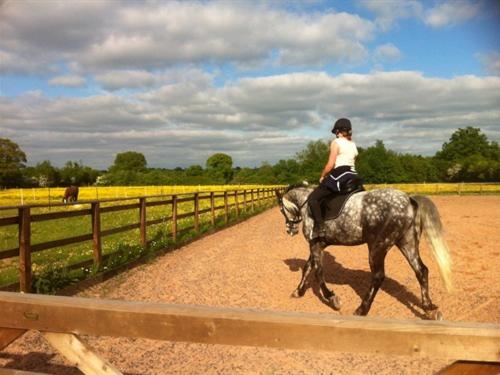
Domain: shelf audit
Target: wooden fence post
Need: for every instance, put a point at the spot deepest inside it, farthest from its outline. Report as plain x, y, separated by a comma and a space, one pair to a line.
25, 249
245, 200
225, 207
96, 233
174, 217
236, 203
197, 212
212, 207
258, 196
253, 200
142, 220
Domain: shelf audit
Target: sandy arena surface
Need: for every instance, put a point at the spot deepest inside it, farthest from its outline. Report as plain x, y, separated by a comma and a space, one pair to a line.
256, 265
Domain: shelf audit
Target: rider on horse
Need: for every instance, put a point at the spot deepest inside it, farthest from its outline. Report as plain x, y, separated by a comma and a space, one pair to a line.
337, 173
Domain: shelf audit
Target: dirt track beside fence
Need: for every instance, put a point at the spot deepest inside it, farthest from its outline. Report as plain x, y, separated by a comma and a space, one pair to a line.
256, 265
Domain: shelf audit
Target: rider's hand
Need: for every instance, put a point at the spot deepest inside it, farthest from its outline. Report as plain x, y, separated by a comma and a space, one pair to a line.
321, 179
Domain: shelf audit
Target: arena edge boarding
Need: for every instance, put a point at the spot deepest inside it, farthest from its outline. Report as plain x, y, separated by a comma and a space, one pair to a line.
62, 319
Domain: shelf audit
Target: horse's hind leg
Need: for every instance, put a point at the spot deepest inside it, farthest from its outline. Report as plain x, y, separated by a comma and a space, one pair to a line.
409, 247
377, 255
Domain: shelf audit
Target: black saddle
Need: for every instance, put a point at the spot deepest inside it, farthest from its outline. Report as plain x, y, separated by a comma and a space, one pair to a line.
332, 207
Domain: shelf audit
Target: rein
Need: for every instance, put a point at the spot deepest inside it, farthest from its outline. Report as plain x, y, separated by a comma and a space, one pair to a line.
297, 218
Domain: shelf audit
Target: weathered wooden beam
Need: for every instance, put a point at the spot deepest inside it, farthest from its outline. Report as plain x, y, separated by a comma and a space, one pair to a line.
471, 368
8, 371
455, 340
7, 335
79, 354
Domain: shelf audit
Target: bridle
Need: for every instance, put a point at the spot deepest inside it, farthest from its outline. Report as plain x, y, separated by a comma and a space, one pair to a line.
296, 218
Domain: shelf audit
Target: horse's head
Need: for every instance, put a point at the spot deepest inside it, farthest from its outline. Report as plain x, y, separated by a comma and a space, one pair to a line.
290, 207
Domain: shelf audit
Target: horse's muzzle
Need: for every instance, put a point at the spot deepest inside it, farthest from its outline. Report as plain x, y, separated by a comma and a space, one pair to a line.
292, 230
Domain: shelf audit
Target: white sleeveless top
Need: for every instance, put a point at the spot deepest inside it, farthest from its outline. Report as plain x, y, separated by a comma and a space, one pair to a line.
347, 152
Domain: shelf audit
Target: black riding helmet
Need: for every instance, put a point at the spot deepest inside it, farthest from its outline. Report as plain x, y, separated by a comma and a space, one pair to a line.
342, 124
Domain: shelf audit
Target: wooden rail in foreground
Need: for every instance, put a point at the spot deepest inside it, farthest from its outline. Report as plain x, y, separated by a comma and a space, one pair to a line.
25, 218
73, 316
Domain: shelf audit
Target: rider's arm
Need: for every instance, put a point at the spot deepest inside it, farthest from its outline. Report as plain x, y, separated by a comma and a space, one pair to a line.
334, 150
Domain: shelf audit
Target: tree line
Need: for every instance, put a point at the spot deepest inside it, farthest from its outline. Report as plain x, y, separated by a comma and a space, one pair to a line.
468, 156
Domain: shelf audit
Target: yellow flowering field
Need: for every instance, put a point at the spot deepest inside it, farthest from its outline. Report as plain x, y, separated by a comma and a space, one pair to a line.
15, 197
442, 188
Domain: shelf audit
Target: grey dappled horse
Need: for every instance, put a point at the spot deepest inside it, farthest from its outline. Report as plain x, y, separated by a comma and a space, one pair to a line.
380, 218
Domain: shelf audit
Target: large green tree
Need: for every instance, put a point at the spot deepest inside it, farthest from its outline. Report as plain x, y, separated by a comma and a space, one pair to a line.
312, 160
12, 160
469, 156
378, 165
129, 161
46, 174
220, 168
75, 173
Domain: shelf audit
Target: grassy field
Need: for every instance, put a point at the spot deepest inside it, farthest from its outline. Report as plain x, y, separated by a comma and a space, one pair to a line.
50, 266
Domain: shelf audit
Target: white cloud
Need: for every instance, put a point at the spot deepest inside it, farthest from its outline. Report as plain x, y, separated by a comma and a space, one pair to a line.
184, 121
99, 35
491, 62
387, 52
68, 81
451, 13
118, 79
388, 12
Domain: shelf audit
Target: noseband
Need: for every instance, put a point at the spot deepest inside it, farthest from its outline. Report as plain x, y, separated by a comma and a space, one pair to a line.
297, 218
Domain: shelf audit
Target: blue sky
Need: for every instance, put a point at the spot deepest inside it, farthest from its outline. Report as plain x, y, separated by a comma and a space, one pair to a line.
179, 81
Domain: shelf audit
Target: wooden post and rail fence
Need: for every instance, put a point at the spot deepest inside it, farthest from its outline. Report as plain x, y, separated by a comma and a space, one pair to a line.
61, 319
25, 217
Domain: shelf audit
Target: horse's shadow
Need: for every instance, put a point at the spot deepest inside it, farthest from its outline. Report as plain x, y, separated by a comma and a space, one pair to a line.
358, 280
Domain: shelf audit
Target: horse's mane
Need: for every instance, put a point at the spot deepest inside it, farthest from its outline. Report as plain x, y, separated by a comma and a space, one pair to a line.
295, 186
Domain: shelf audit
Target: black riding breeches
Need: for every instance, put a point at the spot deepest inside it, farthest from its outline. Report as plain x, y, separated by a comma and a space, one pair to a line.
315, 198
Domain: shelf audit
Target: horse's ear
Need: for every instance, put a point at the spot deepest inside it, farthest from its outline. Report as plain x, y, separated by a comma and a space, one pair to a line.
305, 183
278, 194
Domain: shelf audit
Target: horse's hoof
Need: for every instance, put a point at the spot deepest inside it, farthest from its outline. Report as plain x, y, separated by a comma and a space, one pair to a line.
334, 302
434, 315
359, 312
296, 294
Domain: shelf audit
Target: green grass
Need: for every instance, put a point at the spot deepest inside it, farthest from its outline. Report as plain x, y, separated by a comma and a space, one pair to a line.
52, 267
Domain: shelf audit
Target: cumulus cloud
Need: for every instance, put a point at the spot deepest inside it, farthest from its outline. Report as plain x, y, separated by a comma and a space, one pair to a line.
119, 79
491, 62
389, 12
68, 81
95, 36
184, 121
451, 13
387, 52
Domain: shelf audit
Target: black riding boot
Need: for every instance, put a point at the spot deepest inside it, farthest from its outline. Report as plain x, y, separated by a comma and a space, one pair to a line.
315, 199
319, 232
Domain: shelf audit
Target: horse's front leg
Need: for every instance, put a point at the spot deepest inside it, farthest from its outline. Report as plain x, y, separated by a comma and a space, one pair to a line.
317, 248
306, 271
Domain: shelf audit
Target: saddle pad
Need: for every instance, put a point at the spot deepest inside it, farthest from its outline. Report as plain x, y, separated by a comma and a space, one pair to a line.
332, 208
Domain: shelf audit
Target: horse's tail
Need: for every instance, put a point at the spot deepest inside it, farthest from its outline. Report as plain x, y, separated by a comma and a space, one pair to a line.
433, 229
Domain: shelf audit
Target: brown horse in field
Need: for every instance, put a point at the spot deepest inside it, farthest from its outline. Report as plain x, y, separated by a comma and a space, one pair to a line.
70, 194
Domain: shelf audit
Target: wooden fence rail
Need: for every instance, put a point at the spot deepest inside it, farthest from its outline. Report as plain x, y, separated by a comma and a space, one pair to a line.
25, 218
300, 331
